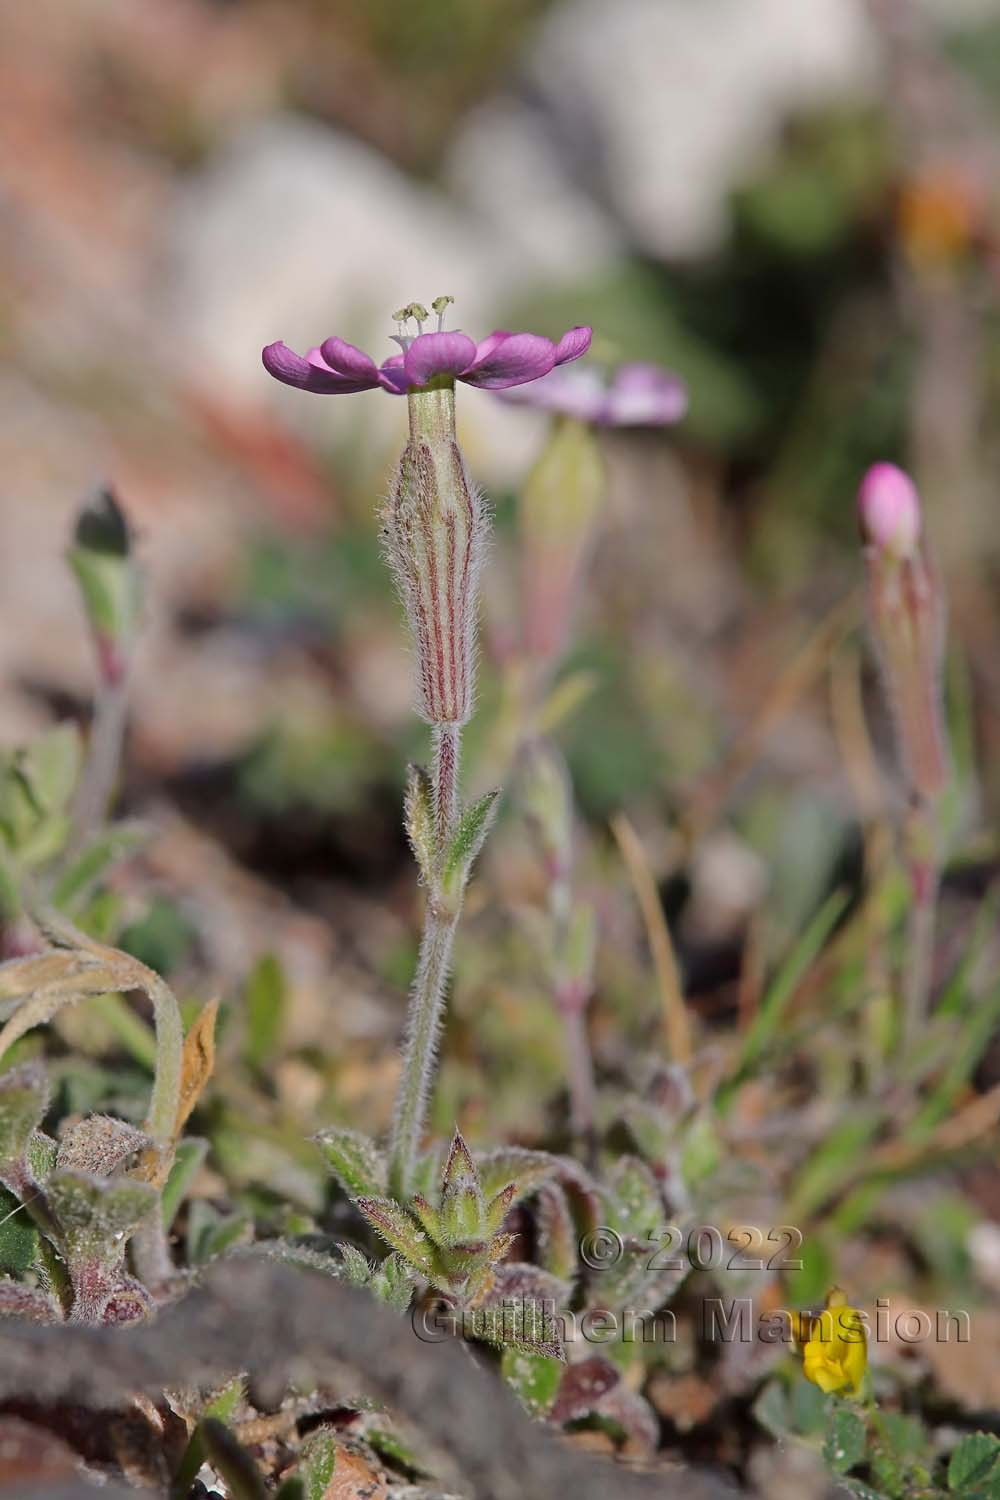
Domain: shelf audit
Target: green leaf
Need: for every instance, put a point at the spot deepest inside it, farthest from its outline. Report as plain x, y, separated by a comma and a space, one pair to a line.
42, 1153
527, 1170
771, 1410
974, 1461
787, 980
18, 1236
356, 1162
86, 869
555, 1233
636, 1202
467, 840
99, 1144
211, 1234
190, 1155
846, 1439
398, 1229
534, 1378
391, 1282
462, 1214
51, 766
418, 817
392, 1450
317, 1461
95, 1215
24, 1098
266, 1003
222, 1404
809, 1407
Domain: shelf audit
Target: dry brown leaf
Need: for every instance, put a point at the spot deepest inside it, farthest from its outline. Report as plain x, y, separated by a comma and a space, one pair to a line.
197, 1063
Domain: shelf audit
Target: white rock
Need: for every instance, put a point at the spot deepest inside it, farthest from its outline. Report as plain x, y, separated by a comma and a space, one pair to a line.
685, 94
504, 165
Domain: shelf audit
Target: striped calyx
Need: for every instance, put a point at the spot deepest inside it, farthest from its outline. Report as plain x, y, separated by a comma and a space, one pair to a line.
435, 533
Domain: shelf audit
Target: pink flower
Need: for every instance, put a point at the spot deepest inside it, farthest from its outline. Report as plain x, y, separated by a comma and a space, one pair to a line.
634, 395
495, 363
889, 510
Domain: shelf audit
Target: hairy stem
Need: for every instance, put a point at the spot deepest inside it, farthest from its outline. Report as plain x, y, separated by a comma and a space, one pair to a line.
427, 997
579, 1074
924, 872
447, 747
423, 1029
571, 1005
104, 753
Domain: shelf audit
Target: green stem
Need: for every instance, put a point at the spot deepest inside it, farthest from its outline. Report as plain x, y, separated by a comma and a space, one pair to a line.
426, 1007
924, 872
427, 997
104, 753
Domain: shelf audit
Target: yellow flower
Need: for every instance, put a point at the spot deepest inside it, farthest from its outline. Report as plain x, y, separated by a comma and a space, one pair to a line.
834, 1345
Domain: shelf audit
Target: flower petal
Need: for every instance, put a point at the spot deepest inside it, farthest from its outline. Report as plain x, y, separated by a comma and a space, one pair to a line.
513, 360
392, 377
574, 342
347, 359
491, 342
306, 374
576, 393
644, 396
433, 354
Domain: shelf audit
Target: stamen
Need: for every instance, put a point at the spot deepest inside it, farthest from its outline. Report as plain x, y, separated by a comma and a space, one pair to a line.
440, 306
418, 312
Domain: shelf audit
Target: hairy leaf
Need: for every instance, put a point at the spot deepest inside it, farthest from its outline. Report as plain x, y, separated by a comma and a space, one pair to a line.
468, 839
510, 1164
99, 1144
95, 1215
355, 1161
418, 816
399, 1230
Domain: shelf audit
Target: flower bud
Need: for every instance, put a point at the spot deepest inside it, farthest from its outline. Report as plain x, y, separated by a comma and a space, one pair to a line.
561, 502
101, 558
889, 510
547, 802
906, 614
435, 535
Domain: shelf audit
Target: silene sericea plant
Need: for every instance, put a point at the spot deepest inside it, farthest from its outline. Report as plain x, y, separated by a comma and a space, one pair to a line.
906, 614
444, 1224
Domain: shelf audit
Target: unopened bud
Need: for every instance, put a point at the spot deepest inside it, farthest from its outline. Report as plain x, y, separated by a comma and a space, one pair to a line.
101, 558
906, 613
435, 535
561, 501
547, 801
889, 510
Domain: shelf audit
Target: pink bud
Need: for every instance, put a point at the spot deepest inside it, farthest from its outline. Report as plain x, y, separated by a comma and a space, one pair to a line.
889, 510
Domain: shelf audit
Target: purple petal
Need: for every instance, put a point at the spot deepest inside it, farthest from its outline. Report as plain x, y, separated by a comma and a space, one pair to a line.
433, 354
307, 374
573, 393
392, 377
490, 342
643, 395
512, 360
346, 359
574, 342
